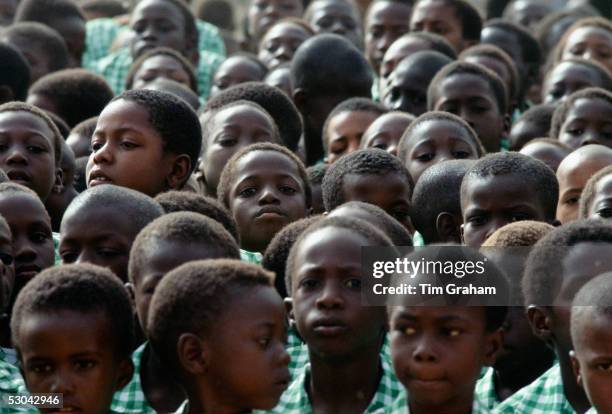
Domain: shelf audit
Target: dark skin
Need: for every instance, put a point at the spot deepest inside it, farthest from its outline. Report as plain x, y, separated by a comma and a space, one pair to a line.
160, 66
401, 48
262, 14
589, 121
344, 132
341, 18
406, 88
72, 29
7, 280
591, 43
601, 206
280, 43
567, 78
34, 52
549, 154
524, 131
233, 71
80, 144
385, 132
441, 18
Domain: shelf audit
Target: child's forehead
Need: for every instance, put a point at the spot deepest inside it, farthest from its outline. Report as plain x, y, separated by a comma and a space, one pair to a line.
584, 261
166, 9
440, 314
12, 120
590, 108
324, 244
438, 128
464, 83
263, 161
593, 33
242, 114
161, 60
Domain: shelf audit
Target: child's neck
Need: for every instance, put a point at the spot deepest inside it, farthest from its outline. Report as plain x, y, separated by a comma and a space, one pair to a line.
161, 392
455, 406
574, 394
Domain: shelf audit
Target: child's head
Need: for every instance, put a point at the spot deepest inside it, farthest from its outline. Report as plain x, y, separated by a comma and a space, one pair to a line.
315, 177
341, 17
262, 14
100, 225
168, 242
475, 94
96, 9
42, 46
79, 139
72, 94
438, 219
456, 20
385, 132
280, 77
589, 38
505, 187
573, 174
596, 198
281, 41
346, 124
7, 267
550, 151
571, 75
239, 68
227, 130
533, 123
591, 320
528, 13
406, 88
58, 201
265, 186
372, 176
161, 62
227, 351
177, 89
14, 75
584, 118
159, 154
385, 21
31, 148
73, 330
435, 137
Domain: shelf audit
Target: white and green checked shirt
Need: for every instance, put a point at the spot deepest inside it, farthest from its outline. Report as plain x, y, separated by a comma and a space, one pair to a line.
400, 406
11, 382
591, 411
131, 398
251, 257
485, 389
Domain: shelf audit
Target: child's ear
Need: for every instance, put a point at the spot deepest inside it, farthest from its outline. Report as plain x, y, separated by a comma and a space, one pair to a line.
506, 126
179, 173
576, 367
461, 230
494, 343
58, 183
541, 324
125, 373
448, 229
289, 308
192, 353
300, 98
129, 286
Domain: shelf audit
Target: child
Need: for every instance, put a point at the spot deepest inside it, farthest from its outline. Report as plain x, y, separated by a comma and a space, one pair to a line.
281, 41
385, 132
161, 62
177, 89
315, 178
79, 139
570, 76
528, 13
235, 370
262, 15
159, 154
456, 20
550, 151
227, 130
344, 371
72, 328
372, 176
101, 224
280, 77
58, 201
163, 245
573, 174
438, 219
590, 329
588, 38
584, 118
596, 196
42, 46
406, 88
346, 124
265, 186
341, 17
436, 137
533, 123
72, 94
237, 69
97, 9
15, 75
475, 94
502, 188
558, 266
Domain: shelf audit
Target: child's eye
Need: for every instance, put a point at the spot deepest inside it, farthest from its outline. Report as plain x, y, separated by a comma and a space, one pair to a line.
520, 217
108, 252
35, 149
476, 220
264, 342
575, 131
605, 367
6, 258
40, 237
453, 332
605, 212
95, 146
461, 154
227, 141
353, 283
407, 330
41, 368
287, 190
425, 157
68, 257
309, 283
247, 192
84, 364
128, 145
571, 201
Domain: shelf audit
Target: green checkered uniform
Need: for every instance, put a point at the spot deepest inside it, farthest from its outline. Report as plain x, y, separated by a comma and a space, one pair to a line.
591, 411
251, 257
11, 382
131, 398
543, 396
400, 406
485, 389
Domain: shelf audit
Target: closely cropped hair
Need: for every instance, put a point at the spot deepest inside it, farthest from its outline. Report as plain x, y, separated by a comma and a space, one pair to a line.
519, 234
76, 93
597, 22
465, 68
365, 161
560, 114
605, 78
14, 74
588, 193
106, 8
46, 11
229, 171
61, 125
86, 127
593, 300
436, 42
540, 116
316, 173
352, 105
162, 51
176, 89
192, 299
218, 12
543, 28
82, 288
471, 21
251, 57
175, 201
531, 52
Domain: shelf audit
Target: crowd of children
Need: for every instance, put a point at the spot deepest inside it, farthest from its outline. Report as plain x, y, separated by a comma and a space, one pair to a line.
184, 206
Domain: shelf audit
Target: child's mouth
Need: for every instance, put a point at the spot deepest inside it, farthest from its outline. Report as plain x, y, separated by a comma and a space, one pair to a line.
19, 177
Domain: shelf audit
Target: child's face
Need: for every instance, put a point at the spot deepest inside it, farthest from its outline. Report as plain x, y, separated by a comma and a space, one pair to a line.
266, 195
591, 43
440, 18
524, 131
391, 192
589, 121
72, 353
490, 203
496, 65
326, 295
160, 66
281, 79
400, 49
406, 90
336, 17
7, 267
438, 352
527, 13
31, 231
549, 154
385, 133
565, 79
233, 129
35, 54
128, 151
234, 71
437, 141
601, 206
262, 14
27, 154
509, 43
280, 43
248, 363
344, 132
79, 144
385, 22
470, 97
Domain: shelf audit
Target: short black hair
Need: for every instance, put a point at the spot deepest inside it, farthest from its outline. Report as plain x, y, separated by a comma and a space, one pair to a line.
595, 21
518, 234
436, 42
588, 193
61, 125
602, 73
173, 119
593, 300
229, 171
80, 165
531, 172
82, 288
471, 21
530, 48
373, 236
273, 100
250, 57
14, 74
275, 256
352, 105
46, 11
52, 44
316, 173
565, 17
368, 161
175, 201
550, 141
465, 68
106, 8
193, 297
177, 89
162, 51
538, 115
560, 114
442, 178
218, 12
544, 268
76, 93
11, 188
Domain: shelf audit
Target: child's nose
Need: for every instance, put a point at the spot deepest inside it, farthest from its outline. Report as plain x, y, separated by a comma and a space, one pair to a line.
62, 383
102, 155
330, 297
16, 156
268, 195
424, 351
